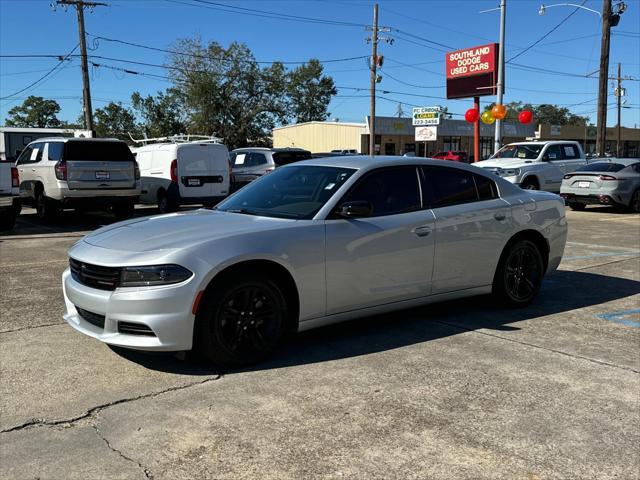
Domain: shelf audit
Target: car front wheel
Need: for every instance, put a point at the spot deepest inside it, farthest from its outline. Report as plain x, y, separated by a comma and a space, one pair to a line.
519, 274
240, 321
529, 184
634, 206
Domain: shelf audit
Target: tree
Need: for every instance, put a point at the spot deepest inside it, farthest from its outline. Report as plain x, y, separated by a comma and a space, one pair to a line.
162, 115
310, 92
114, 120
35, 112
543, 114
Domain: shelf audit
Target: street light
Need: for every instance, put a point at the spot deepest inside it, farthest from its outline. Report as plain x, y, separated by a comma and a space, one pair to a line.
543, 8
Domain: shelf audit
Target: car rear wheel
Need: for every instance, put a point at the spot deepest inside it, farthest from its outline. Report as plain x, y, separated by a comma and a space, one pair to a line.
165, 205
634, 206
46, 208
577, 206
519, 274
240, 321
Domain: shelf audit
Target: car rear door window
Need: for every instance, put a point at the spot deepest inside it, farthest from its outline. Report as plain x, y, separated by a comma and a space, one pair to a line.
390, 191
54, 152
570, 152
255, 159
25, 156
487, 189
449, 186
553, 153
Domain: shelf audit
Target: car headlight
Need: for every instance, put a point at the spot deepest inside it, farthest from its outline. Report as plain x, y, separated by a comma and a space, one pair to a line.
509, 172
153, 275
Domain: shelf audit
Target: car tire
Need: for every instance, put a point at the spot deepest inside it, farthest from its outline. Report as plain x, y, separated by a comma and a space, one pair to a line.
241, 321
519, 274
530, 184
577, 206
124, 211
46, 208
165, 205
634, 205
7, 218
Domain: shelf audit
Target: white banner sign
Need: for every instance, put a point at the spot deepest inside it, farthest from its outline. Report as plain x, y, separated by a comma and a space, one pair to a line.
426, 134
426, 116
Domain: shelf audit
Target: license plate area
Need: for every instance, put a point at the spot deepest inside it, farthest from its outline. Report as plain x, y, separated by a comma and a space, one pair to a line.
584, 184
102, 175
193, 182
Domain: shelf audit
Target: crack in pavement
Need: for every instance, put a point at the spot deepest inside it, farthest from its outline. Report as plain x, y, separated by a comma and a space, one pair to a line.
145, 470
533, 345
31, 328
38, 422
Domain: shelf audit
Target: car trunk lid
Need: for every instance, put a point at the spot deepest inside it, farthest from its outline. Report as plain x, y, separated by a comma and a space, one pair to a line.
98, 165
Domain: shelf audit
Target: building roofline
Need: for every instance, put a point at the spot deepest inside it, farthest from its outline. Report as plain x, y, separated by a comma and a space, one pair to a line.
316, 122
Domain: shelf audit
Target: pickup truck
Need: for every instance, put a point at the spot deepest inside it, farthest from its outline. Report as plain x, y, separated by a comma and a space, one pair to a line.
9, 195
536, 165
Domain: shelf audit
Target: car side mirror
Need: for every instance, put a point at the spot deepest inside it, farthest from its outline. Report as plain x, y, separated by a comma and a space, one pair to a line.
356, 209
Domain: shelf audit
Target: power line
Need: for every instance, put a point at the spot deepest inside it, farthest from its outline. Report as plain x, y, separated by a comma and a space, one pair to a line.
209, 57
55, 67
547, 34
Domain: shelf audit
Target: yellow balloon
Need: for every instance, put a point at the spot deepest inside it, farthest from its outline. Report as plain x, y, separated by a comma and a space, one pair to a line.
487, 117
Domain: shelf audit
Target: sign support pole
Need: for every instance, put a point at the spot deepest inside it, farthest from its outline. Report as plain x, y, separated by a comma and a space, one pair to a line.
476, 132
500, 85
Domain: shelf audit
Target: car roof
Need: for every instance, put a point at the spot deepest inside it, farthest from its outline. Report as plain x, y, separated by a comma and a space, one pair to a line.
365, 161
74, 139
541, 142
266, 149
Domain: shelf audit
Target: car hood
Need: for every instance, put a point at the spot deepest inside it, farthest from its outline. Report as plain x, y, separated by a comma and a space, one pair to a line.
178, 230
504, 163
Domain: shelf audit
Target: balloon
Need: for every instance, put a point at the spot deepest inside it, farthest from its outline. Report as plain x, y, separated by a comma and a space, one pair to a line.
487, 118
525, 117
471, 115
499, 112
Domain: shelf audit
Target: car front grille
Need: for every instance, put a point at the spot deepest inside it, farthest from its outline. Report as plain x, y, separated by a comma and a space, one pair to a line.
95, 276
93, 318
130, 328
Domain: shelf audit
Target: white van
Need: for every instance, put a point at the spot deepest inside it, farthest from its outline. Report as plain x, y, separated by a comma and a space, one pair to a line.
190, 173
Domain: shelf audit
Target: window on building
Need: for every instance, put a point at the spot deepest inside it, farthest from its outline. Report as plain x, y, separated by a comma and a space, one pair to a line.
451, 143
409, 147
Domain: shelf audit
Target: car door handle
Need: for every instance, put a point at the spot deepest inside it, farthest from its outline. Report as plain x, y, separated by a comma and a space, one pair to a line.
422, 231
499, 216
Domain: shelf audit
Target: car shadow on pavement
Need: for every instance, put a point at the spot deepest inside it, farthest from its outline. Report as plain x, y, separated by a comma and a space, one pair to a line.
561, 292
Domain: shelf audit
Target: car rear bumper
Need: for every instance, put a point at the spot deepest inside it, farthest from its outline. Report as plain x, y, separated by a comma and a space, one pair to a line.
157, 319
8, 200
592, 199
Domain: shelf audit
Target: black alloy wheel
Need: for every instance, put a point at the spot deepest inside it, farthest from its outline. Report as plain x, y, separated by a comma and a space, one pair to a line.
241, 323
635, 201
46, 209
519, 274
529, 184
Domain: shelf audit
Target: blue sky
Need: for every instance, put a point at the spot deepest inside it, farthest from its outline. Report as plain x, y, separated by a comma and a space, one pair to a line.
412, 67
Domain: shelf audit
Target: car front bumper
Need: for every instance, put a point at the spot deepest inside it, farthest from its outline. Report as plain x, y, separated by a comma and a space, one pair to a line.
164, 314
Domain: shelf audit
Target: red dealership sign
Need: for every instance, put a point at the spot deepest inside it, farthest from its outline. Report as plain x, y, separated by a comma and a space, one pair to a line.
472, 61
472, 72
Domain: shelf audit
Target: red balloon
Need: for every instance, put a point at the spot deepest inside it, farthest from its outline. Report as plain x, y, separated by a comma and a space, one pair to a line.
525, 117
471, 115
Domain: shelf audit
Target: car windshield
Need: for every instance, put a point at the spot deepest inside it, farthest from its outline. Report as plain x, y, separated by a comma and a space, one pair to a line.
298, 191
518, 151
602, 167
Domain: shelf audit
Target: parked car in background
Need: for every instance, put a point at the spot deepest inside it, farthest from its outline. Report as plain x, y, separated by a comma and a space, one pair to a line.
253, 162
188, 173
9, 195
327, 154
607, 181
310, 244
14, 139
345, 151
456, 156
536, 165
80, 173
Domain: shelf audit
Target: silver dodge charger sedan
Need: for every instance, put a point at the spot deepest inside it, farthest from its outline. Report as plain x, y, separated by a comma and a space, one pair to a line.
607, 181
312, 243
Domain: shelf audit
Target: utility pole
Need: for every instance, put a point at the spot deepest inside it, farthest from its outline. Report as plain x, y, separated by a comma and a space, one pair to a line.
80, 5
603, 80
374, 65
619, 101
500, 85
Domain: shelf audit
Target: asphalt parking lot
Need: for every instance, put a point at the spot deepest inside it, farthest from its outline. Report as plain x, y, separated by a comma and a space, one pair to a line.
455, 390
